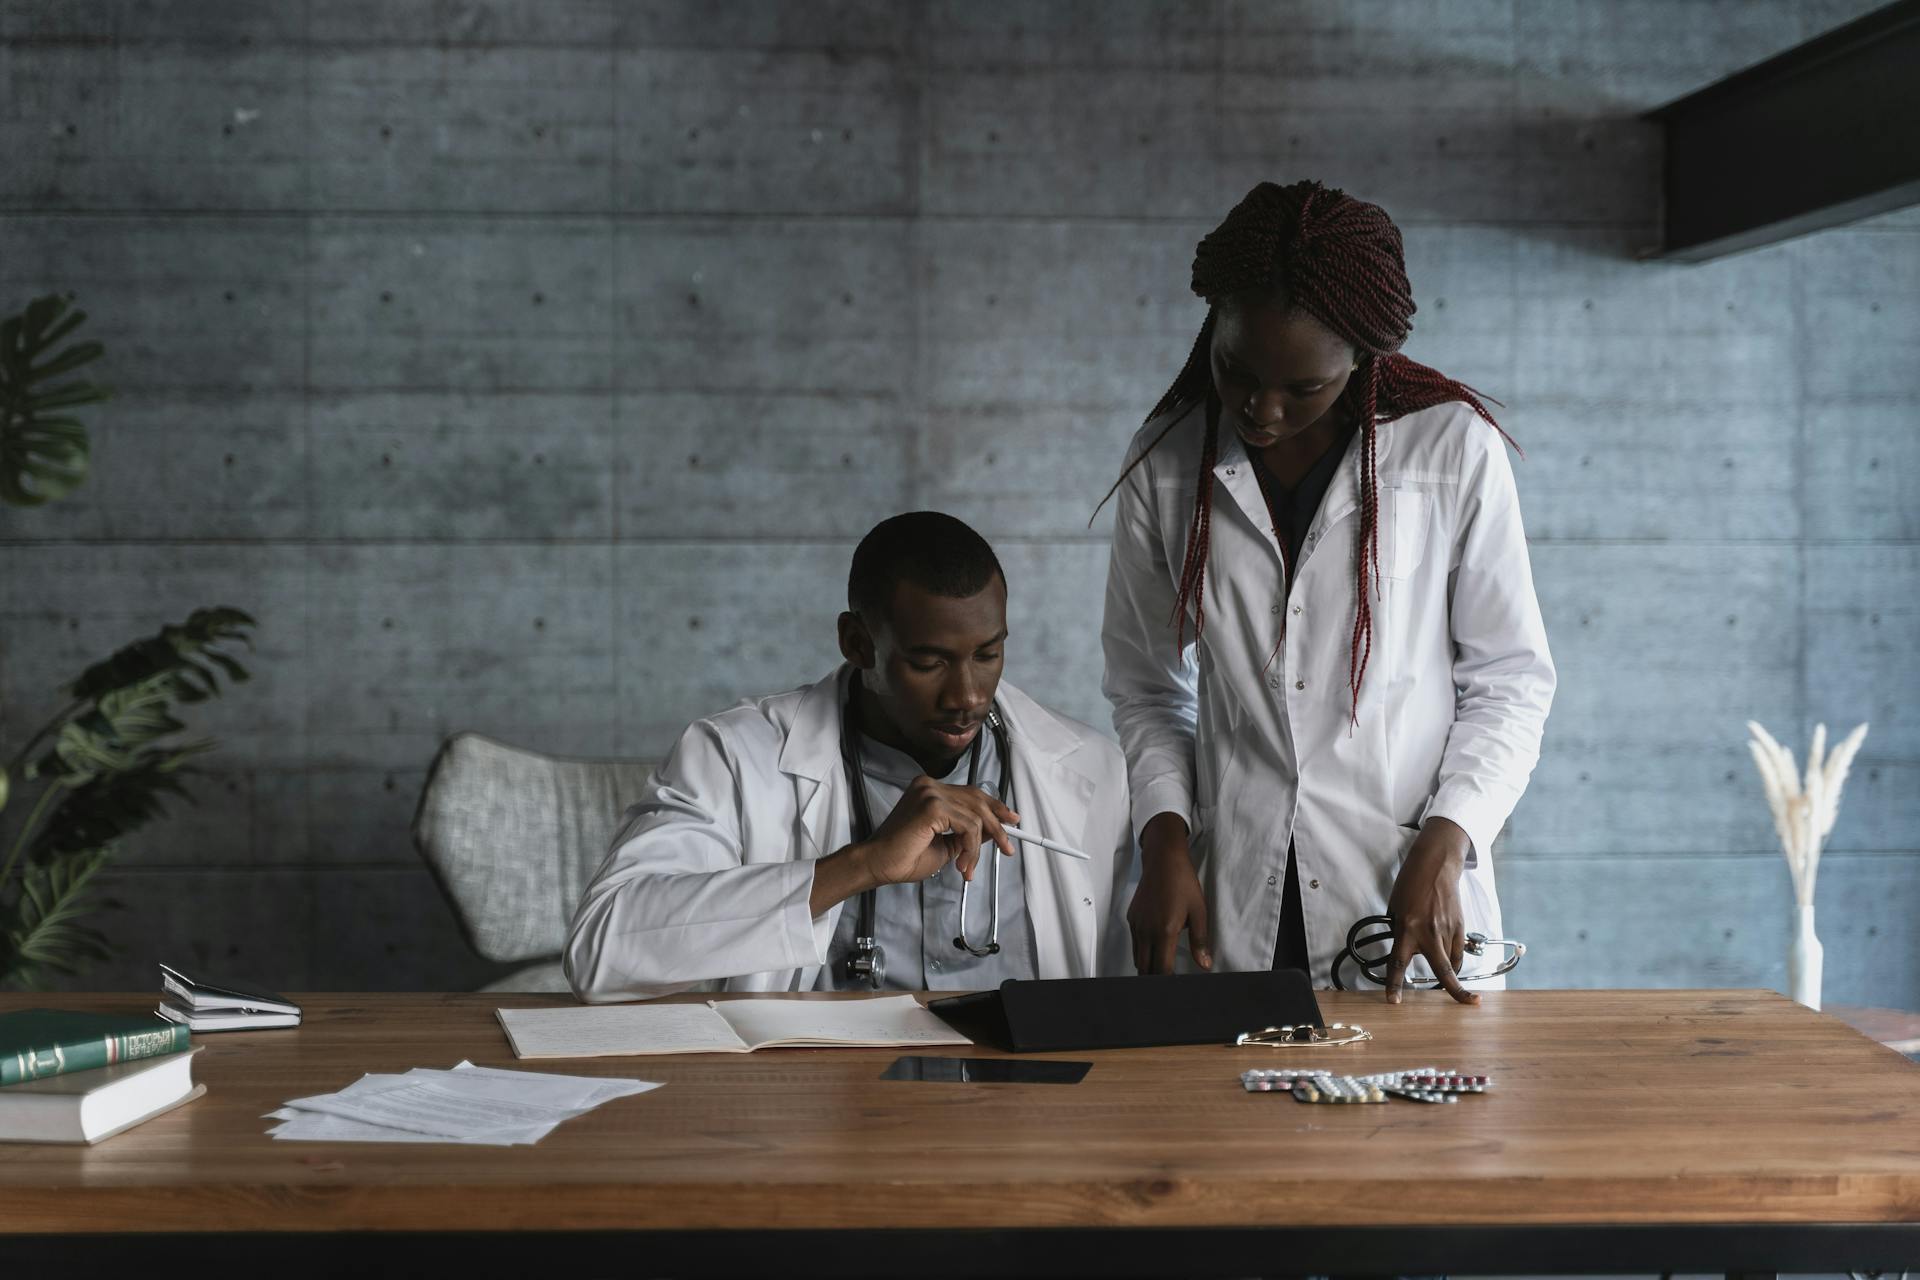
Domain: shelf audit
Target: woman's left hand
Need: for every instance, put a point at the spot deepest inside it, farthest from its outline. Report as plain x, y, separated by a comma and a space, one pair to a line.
1425, 909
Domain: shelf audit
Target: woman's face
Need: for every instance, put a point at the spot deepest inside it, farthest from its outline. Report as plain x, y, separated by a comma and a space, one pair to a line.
1277, 369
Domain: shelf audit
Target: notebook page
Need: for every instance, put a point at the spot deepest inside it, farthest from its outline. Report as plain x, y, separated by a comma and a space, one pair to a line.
880, 1020
615, 1030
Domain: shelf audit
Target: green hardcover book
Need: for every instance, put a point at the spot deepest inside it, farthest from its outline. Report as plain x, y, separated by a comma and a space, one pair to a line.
36, 1043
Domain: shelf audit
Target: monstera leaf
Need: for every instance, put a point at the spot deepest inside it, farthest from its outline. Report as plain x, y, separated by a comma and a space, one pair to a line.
43, 448
114, 734
183, 658
112, 758
101, 810
101, 768
45, 930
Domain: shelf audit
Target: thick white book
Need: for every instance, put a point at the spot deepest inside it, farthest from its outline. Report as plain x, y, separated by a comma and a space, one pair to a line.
723, 1026
87, 1106
203, 995
225, 1019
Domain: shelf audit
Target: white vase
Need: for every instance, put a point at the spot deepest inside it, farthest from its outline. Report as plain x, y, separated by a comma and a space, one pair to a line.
1804, 961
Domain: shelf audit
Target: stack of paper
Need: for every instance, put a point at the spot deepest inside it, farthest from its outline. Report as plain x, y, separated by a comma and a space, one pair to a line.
481, 1105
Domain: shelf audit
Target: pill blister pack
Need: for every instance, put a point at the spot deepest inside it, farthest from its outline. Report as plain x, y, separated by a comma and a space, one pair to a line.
1420, 1084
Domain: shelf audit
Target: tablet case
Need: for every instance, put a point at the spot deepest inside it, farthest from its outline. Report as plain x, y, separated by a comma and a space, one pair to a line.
1054, 1014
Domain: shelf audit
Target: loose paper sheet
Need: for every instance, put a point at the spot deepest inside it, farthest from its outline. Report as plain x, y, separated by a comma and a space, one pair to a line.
470, 1104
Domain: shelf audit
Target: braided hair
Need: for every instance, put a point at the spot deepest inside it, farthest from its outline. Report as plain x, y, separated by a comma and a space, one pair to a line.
1340, 260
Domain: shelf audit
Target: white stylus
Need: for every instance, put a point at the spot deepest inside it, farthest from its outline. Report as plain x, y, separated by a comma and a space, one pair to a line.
1044, 843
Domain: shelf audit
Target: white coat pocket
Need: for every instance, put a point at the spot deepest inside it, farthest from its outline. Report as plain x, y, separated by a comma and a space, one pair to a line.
1403, 531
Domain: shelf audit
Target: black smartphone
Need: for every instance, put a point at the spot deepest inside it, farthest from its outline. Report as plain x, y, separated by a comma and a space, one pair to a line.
986, 1070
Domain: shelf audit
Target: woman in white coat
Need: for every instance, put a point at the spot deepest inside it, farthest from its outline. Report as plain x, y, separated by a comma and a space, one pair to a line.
1323, 649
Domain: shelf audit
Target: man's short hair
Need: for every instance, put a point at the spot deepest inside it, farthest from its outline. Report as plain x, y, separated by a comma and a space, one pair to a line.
930, 549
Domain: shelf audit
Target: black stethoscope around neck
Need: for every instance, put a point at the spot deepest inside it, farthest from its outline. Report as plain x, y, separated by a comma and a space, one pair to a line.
868, 961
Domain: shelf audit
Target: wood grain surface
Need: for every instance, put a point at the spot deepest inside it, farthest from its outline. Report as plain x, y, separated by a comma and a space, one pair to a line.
1609, 1107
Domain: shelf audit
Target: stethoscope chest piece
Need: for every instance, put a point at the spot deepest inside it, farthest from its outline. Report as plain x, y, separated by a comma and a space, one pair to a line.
868, 963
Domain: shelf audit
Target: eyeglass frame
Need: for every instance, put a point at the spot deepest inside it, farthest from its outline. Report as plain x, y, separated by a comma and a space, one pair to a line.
1303, 1035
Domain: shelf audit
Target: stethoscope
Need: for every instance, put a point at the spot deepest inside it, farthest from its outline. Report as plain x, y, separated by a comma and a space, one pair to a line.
1376, 969
868, 963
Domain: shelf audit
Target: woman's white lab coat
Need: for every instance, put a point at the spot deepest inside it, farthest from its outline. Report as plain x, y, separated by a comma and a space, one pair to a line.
1248, 737
709, 877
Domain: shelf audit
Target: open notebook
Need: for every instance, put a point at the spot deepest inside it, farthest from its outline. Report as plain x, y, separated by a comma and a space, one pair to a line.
722, 1026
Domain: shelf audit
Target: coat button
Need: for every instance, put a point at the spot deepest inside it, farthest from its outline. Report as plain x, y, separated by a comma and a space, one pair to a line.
1313, 884
1296, 611
1276, 609
1273, 682
1086, 902
1273, 879
1299, 684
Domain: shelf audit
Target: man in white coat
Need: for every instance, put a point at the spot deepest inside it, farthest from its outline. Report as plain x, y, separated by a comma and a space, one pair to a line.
832, 836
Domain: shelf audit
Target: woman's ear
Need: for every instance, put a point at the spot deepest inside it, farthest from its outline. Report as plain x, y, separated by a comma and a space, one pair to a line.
856, 641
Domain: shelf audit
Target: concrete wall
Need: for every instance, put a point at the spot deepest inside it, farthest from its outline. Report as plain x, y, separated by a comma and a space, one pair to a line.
531, 367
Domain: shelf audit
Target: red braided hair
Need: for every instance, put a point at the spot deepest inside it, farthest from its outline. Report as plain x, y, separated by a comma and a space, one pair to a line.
1342, 261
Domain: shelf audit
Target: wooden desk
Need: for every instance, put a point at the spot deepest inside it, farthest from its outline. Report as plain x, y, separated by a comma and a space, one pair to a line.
1895, 1028
1646, 1130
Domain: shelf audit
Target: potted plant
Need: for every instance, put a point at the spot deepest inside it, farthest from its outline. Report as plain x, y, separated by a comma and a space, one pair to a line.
101, 767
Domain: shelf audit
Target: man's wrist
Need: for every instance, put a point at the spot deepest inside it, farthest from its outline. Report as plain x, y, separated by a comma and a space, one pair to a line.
859, 857
845, 873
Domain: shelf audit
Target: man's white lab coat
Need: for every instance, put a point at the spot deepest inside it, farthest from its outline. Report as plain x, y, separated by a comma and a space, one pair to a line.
1248, 736
709, 876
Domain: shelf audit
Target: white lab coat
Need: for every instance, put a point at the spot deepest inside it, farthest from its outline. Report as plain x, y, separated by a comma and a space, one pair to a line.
1253, 753
709, 876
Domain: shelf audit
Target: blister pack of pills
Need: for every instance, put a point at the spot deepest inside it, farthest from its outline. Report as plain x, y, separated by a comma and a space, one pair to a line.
1420, 1084
1312, 1086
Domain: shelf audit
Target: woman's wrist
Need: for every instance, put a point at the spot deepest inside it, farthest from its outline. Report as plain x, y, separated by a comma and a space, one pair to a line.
1164, 836
1442, 837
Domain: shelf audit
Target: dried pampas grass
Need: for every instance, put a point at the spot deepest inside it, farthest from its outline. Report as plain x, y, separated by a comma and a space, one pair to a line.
1803, 810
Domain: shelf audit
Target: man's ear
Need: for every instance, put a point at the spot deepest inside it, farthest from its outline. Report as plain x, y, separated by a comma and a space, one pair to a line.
856, 642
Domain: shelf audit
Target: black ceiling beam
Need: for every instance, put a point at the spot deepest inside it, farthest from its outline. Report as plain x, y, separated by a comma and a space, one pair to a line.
1825, 133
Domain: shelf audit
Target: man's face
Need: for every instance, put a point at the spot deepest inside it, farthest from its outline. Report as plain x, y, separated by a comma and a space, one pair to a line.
936, 665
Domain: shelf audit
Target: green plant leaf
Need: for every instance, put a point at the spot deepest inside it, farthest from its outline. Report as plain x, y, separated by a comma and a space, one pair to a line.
172, 653
111, 806
115, 733
68, 429
42, 930
46, 337
43, 454
64, 396
43, 311
72, 358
